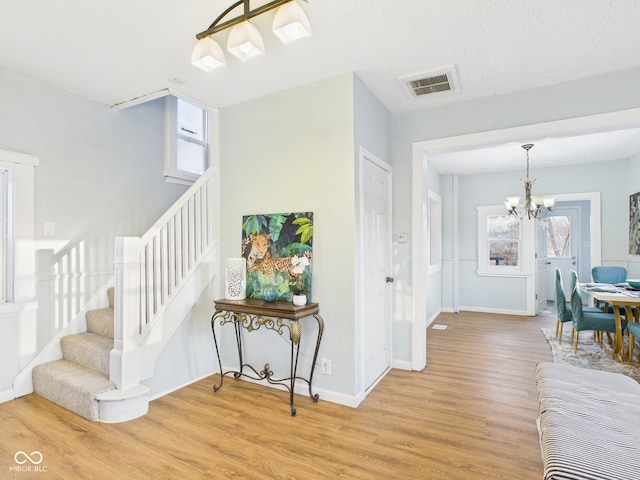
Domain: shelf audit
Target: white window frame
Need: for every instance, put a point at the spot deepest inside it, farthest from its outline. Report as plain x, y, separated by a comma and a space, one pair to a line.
18, 217
524, 246
171, 171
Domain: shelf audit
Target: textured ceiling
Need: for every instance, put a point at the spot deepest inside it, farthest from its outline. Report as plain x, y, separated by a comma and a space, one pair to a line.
597, 147
118, 50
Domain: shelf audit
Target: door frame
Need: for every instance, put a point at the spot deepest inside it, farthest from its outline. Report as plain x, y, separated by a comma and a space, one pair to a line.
362, 389
421, 150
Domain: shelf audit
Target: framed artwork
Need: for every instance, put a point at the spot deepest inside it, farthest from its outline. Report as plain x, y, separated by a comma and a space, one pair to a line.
634, 224
279, 252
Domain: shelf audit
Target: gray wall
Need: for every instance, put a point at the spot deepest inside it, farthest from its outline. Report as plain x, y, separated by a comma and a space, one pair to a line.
288, 152
491, 189
100, 176
604, 93
633, 186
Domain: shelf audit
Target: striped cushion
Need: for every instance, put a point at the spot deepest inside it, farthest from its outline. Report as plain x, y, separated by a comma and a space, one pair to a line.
589, 424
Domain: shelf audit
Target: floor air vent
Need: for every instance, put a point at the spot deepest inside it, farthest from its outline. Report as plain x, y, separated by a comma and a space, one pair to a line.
429, 83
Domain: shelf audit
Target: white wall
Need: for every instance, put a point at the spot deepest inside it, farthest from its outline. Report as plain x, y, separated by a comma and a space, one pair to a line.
99, 176
294, 151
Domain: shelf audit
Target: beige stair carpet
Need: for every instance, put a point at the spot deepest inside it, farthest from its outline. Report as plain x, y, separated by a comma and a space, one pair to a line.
83, 372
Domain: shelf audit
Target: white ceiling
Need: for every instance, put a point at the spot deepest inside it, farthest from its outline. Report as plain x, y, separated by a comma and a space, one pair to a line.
118, 50
596, 147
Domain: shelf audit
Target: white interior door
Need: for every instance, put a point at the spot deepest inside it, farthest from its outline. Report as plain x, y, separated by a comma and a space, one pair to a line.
376, 260
562, 246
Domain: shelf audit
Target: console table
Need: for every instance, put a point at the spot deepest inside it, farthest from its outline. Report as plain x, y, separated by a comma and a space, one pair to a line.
252, 314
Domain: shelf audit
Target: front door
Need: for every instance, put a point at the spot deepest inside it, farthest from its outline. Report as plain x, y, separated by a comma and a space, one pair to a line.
562, 246
376, 259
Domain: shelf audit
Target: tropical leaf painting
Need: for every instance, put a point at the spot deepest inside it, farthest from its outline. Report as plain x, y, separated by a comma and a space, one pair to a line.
279, 252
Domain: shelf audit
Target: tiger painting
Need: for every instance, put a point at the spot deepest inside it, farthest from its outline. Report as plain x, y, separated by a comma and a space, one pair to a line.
259, 248
261, 260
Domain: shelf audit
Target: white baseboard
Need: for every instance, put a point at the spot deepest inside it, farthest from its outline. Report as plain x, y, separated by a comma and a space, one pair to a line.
433, 317
167, 392
484, 310
401, 364
494, 310
301, 389
7, 395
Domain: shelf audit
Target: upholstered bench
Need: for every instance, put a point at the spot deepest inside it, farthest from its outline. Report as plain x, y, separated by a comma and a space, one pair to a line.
589, 423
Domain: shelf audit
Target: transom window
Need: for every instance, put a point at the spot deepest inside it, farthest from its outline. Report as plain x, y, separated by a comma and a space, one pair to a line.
188, 141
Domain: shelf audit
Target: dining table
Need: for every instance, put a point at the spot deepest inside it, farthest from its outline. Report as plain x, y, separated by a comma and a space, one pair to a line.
621, 297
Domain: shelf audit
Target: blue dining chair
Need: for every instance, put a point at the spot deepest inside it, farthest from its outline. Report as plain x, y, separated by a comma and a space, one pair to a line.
609, 274
634, 331
584, 320
564, 312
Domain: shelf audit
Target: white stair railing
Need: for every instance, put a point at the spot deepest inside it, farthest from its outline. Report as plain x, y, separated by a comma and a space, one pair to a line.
151, 270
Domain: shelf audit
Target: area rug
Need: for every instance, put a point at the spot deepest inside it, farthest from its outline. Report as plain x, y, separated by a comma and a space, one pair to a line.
589, 354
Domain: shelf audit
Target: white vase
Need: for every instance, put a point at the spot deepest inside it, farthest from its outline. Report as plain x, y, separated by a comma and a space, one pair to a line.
299, 300
235, 277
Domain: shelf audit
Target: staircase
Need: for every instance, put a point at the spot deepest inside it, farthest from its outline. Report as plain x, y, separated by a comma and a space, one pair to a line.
80, 381
157, 280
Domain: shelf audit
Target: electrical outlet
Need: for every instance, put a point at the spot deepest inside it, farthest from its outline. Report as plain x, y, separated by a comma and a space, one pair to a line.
325, 366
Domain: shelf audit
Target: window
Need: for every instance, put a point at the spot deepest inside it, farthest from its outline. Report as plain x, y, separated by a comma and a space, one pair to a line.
6, 234
188, 141
17, 219
500, 243
558, 236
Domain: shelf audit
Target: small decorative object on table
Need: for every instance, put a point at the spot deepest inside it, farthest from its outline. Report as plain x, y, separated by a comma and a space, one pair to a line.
297, 288
269, 293
300, 300
235, 278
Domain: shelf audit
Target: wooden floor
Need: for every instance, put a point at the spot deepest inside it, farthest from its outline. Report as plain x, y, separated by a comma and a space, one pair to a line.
469, 415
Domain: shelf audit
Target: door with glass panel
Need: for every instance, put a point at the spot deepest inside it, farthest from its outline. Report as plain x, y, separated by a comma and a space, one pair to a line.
562, 246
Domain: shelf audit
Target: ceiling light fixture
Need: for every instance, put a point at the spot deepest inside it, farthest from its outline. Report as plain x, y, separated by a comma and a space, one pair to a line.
532, 205
245, 42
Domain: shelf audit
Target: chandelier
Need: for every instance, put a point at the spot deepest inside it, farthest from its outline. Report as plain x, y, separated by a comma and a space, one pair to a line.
245, 42
534, 207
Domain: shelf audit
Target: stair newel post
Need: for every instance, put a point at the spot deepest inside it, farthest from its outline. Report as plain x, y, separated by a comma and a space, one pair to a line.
125, 365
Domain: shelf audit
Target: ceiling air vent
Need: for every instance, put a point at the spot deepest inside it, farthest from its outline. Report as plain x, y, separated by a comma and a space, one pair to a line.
428, 83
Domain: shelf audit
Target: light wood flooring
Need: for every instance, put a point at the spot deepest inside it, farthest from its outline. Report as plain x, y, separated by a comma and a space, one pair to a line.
469, 415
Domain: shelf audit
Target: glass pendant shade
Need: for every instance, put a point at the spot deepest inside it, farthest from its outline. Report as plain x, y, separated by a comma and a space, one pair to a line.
512, 202
208, 55
290, 23
245, 41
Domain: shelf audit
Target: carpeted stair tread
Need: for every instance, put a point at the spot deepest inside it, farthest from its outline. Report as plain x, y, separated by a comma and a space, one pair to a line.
100, 321
89, 350
71, 386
